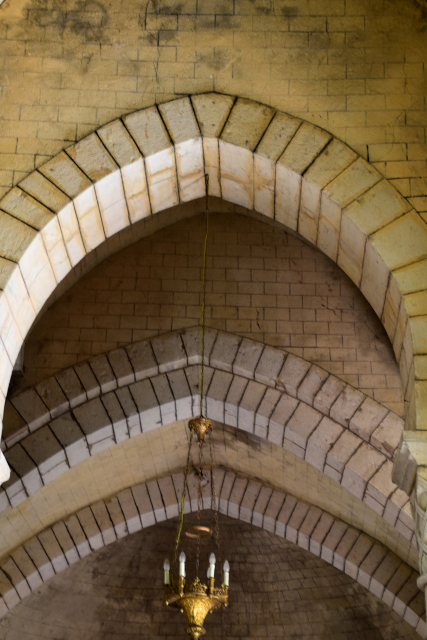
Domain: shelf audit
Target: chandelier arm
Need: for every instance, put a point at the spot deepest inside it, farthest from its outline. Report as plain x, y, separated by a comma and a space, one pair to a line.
202, 347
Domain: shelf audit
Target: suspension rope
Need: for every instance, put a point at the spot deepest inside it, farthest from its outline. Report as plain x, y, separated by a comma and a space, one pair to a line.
202, 328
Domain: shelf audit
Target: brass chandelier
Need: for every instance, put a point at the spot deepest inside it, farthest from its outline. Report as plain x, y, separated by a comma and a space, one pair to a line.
192, 597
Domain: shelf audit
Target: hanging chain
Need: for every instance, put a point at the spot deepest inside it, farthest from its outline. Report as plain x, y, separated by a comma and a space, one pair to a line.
202, 328
215, 501
199, 504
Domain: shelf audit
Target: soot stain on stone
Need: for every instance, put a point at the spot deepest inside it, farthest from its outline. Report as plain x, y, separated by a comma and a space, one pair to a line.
87, 18
289, 11
217, 60
161, 8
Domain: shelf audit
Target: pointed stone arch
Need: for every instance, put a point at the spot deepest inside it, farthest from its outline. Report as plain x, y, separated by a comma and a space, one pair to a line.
64, 543
94, 193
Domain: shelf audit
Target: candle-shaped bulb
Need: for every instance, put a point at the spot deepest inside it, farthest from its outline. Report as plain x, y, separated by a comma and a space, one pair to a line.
166, 568
208, 572
212, 561
182, 564
226, 578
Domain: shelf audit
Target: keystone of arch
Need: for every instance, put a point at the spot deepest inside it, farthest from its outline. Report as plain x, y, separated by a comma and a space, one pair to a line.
286, 169
144, 505
256, 388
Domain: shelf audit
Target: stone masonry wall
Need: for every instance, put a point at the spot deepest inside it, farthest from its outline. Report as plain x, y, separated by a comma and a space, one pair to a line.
354, 67
261, 283
276, 589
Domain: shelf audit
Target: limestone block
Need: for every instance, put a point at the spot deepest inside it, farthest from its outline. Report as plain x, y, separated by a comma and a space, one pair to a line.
236, 496
383, 573
19, 300
367, 418
53, 550
89, 217
414, 610
52, 395
181, 393
312, 384
320, 532
142, 359
193, 378
66, 542
37, 273
130, 512
169, 352
321, 441
395, 584
307, 527
156, 501
351, 249
247, 358
119, 143
169, 497
341, 452
92, 157
148, 131
302, 424
251, 399
264, 185
14, 489
272, 511
13, 424
39, 558
146, 402
37, 186
309, 210
360, 468
95, 424
112, 203
278, 135
116, 415
103, 521
78, 536
22, 206
211, 157
283, 411
246, 123
165, 399
352, 183
178, 115
226, 489
15, 237
178, 483
104, 373
218, 390
121, 367
305, 146
190, 170
329, 226
46, 452
65, 174
344, 547
136, 190
8, 592
358, 553
6, 269
71, 386
67, 219
6, 366
9, 568
27, 568
386, 436
412, 277
260, 506
54, 243
408, 592
232, 401
380, 487
346, 405
292, 374
224, 351
236, 174
192, 339
375, 278
288, 196
32, 408
90, 528
333, 160
419, 338
264, 412
162, 180
25, 468
416, 303
212, 111
129, 408
284, 514
402, 241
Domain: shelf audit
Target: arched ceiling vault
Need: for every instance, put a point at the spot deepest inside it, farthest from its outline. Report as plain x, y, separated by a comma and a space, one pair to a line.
92, 195
143, 505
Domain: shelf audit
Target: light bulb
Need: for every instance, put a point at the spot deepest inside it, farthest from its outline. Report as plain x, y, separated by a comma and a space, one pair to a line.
166, 565
226, 566
182, 564
226, 577
182, 557
212, 558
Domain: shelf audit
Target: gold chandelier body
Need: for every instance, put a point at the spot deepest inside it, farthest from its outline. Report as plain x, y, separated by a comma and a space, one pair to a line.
196, 600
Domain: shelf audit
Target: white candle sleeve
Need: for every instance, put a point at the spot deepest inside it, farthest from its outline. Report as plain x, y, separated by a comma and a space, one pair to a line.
166, 567
182, 564
212, 561
226, 569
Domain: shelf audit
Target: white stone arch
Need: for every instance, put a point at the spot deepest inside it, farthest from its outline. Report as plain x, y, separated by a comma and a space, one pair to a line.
255, 388
93, 194
97, 525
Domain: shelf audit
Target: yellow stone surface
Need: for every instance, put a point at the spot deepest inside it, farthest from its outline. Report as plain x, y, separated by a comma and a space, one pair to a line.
180, 120
119, 143
6, 270
304, 147
212, 111
65, 174
278, 135
246, 123
15, 237
22, 206
44, 191
349, 185
91, 156
330, 163
403, 241
413, 277
148, 131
